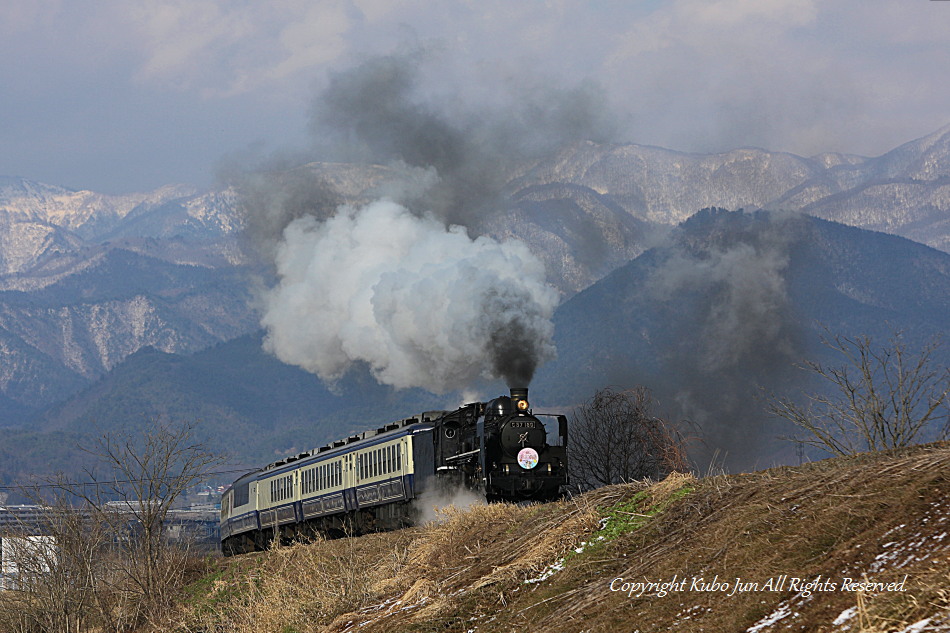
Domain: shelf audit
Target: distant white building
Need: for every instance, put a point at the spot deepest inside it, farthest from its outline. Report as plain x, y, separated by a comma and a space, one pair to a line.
25, 555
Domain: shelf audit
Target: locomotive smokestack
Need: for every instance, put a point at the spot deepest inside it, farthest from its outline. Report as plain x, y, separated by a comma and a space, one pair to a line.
519, 398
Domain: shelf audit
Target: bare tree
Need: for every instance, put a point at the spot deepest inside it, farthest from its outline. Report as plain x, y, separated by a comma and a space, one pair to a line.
96, 558
615, 437
128, 499
57, 557
878, 397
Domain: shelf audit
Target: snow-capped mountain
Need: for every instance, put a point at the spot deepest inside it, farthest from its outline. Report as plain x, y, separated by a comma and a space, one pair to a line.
904, 192
45, 228
87, 279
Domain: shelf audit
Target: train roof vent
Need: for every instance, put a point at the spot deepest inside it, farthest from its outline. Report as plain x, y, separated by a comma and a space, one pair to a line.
391, 427
323, 449
353, 438
339, 443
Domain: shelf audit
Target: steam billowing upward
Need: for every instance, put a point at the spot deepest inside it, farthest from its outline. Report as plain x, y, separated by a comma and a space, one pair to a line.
422, 305
404, 283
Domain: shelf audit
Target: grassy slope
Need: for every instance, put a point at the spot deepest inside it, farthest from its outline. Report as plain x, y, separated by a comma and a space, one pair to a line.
880, 516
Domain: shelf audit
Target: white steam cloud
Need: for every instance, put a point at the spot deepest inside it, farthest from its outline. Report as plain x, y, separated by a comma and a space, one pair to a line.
421, 304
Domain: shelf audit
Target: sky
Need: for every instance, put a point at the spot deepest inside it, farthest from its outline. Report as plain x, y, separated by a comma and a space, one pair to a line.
120, 96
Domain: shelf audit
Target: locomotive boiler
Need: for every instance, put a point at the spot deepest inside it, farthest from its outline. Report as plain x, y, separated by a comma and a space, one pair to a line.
375, 480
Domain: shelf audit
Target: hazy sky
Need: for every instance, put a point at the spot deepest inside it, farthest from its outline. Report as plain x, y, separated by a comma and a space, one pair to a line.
119, 96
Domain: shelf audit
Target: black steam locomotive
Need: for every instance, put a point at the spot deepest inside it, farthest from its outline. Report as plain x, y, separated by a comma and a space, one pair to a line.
369, 482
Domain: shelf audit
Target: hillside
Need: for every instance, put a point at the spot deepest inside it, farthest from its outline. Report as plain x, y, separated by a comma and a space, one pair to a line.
852, 544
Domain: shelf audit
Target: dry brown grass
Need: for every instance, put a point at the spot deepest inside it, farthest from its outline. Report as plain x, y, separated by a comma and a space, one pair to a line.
883, 516
298, 588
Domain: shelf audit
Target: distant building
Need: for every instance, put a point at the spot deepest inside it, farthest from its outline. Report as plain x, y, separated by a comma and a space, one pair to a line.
28, 546
25, 556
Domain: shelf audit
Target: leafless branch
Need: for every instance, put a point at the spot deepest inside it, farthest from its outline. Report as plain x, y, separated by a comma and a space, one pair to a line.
878, 398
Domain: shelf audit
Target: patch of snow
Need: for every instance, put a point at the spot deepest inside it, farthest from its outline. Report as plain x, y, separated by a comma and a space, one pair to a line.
782, 612
916, 627
845, 615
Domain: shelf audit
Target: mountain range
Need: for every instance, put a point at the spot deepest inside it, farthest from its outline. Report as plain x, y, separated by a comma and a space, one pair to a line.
92, 286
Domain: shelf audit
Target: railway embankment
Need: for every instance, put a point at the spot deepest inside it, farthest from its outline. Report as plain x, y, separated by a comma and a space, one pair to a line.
846, 544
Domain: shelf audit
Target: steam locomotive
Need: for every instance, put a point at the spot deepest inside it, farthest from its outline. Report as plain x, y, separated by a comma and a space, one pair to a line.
370, 481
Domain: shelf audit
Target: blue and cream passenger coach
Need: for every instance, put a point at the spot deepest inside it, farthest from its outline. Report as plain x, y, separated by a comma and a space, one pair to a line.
367, 482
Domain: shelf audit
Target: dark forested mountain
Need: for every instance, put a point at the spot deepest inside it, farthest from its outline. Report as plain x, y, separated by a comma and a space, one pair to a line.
60, 337
243, 403
714, 320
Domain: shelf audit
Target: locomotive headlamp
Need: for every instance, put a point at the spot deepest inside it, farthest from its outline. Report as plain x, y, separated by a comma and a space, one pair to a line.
522, 405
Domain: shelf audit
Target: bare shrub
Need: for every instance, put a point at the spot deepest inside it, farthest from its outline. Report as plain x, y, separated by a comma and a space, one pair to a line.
879, 397
144, 478
616, 438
